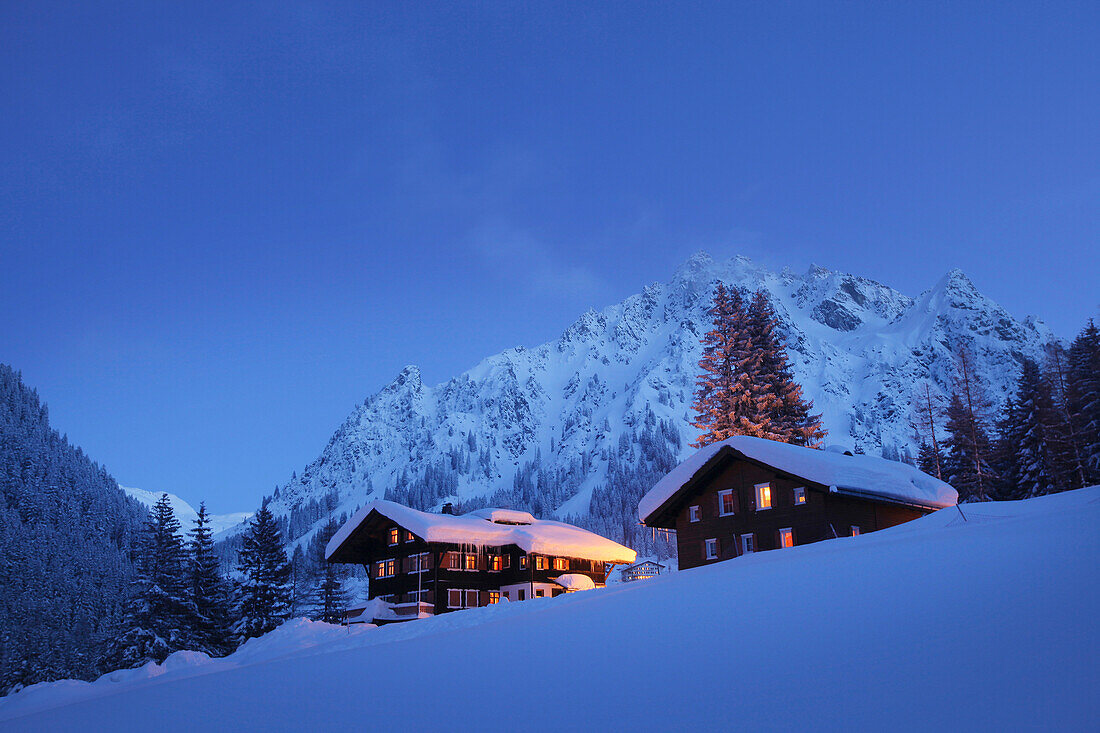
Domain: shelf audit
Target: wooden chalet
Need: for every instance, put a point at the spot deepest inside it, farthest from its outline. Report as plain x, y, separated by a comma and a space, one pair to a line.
424, 563
747, 494
641, 571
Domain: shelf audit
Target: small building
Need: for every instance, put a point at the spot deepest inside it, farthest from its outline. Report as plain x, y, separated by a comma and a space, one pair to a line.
641, 571
423, 563
748, 494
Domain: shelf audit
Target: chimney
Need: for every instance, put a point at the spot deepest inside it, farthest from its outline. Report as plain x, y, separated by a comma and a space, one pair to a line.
448, 508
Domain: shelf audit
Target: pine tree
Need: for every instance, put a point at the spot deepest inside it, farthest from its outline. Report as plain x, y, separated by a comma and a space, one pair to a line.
927, 408
1003, 457
265, 592
209, 591
745, 385
160, 618
1029, 433
967, 448
785, 416
331, 599
723, 348
1066, 445
930, 460
1083, 397
966, 452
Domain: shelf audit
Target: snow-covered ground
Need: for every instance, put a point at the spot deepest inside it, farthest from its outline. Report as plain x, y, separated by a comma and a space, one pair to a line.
987, 622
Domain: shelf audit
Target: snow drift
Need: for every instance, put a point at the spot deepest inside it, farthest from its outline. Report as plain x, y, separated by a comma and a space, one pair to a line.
980, 618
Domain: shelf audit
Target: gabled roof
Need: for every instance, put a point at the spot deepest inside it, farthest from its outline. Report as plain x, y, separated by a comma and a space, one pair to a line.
860, 475
490, 528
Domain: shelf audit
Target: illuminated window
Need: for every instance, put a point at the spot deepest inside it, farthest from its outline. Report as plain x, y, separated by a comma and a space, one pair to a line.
380, 571
386, 568
855, 530
799, 496
763, 496
539, 593
693, 514
409, 536
540, 562
496, 563
710, 549
471, 561
748, 544
560, 563
725, 503
786, 537
523, 564
393, 536
494, 597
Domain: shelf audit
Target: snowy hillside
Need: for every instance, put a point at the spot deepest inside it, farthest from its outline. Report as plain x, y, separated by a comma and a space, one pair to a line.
185, 512
542, 428
944, 623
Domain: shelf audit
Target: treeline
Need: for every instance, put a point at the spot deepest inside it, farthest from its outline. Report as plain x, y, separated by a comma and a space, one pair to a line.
66, 532
1044, 440
180, 600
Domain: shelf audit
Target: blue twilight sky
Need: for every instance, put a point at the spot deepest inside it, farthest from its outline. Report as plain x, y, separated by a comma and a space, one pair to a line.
222, 226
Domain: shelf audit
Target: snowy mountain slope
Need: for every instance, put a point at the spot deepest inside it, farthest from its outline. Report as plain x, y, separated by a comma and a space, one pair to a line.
943, 623
185, 512
557, 415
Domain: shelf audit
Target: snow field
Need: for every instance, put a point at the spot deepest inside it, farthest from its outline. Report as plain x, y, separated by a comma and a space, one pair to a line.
986, 623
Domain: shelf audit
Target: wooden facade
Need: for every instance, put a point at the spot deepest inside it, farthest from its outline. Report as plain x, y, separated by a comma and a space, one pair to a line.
437, 577
735, 505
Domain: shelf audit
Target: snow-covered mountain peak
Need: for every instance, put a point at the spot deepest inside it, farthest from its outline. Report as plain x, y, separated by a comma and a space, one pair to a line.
547, 427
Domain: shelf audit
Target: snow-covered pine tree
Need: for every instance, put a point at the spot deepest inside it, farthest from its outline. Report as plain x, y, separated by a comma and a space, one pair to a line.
209, 591
783, 413
161, 616
265, 592
1084, 396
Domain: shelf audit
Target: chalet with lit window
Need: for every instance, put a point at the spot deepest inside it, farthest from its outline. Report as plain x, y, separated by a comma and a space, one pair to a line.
423, 563
747, 494
641, 571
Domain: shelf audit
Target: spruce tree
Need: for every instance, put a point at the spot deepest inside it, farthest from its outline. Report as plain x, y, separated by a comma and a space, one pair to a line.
160, 617
1029, 433
1065, 438
722, 353
1003, 456
331, 598
1084, 397
265, 592
967, 449
209, 591
966, 452
781, 411
929, 460
926, 411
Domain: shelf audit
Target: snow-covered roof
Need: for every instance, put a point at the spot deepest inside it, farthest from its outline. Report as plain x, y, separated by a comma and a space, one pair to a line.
541, 536
575, 581
503, 516
859, 474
